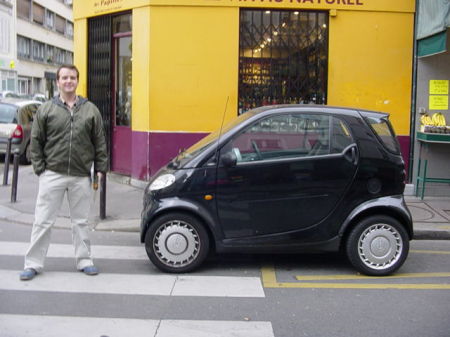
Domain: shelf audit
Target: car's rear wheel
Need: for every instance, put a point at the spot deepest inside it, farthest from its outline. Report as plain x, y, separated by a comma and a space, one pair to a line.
177, 243
377, 245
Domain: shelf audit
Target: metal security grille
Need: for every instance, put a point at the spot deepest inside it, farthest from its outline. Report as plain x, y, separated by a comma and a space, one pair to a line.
283, 57
99, 69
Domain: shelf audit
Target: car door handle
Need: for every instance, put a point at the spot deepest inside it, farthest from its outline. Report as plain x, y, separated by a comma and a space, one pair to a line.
351, 154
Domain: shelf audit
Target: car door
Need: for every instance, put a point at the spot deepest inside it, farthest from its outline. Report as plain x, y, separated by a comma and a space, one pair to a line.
291, 172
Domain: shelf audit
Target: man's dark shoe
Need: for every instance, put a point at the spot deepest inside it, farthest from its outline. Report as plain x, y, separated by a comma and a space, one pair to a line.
28, 274
91, 270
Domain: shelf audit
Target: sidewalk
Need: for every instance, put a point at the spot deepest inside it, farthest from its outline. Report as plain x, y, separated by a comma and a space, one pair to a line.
124, 205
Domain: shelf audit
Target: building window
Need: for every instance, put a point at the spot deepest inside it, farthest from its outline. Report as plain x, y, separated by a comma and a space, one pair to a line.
50, 54
37, 85
60, 24
24, 9
24, 84
7, 80
69, 57
38, 13
283, 57
5, 24
38, 51
69, 29
50, 19
23, 47
59, 56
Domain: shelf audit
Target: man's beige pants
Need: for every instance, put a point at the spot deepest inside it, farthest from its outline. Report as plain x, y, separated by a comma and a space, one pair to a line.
52, 187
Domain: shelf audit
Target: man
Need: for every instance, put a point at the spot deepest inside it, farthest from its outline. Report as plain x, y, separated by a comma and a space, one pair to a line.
67, 137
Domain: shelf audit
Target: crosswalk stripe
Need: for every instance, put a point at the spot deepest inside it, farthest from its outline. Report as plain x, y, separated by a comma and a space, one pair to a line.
65, 250
132, 284
56, 326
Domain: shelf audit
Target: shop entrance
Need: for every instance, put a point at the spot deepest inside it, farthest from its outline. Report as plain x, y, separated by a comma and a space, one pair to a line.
283, 57
121, 107
109, 83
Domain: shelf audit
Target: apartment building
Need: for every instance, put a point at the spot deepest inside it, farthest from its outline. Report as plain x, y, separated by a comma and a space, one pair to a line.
44, 40
8, 73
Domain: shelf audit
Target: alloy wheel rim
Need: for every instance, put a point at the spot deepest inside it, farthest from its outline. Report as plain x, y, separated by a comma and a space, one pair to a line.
380, 246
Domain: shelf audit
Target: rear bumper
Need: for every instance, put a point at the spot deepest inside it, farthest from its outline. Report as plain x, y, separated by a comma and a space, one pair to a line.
16, 146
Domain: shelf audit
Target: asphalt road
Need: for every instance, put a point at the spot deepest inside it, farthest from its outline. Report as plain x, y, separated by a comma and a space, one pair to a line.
294, 295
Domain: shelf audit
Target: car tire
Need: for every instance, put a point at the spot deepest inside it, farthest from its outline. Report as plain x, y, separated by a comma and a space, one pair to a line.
177, 243
377, 246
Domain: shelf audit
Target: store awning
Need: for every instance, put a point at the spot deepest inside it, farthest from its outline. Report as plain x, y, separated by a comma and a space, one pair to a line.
432, 45
433, 20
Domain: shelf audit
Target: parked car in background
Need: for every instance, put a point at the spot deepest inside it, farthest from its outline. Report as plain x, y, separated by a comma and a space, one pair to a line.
17, 114
8, 94
39, 97
292, 178
33, 97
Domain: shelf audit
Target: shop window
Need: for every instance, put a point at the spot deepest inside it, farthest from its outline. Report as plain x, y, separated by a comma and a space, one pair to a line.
38, 14
24, 84
100, 64
121, 24
121, 28
37, 83
283, 57
24, 9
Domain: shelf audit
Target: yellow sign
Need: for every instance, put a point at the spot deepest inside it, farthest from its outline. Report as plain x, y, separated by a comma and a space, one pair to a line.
439, 87
438, 102
89, 8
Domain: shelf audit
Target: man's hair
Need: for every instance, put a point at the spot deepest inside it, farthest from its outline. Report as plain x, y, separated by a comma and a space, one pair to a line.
67, 66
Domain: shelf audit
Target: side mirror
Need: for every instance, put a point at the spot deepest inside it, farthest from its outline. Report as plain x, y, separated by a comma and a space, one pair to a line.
229, 159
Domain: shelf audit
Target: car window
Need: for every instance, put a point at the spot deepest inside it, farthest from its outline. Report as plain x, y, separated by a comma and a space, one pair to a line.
341, 136
7, 113
290, 135
382, 128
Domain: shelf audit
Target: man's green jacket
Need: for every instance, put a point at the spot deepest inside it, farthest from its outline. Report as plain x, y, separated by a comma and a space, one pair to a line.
68, 143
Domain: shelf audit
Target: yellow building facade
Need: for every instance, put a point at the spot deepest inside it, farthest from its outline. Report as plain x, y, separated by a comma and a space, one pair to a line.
182, 65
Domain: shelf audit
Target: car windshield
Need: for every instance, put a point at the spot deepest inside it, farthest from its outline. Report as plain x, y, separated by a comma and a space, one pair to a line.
209, 140
7, 113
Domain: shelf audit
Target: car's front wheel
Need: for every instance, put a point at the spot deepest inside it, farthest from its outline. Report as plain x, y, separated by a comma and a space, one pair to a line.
176, 243
377, 245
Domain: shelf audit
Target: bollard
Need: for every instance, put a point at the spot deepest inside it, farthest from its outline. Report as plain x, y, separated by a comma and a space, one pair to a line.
103, 197
15, 177
7, 158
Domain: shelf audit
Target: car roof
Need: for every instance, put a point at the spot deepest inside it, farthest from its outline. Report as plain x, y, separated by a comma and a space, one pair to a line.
315, 108
20, 102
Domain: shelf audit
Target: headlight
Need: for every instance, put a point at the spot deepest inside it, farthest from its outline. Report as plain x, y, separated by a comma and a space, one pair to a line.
162, 182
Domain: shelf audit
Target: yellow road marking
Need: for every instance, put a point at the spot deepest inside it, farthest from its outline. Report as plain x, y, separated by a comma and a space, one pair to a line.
421, 251
269, 280
363, 277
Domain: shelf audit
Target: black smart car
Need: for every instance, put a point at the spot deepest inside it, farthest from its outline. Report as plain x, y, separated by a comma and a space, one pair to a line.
292, 178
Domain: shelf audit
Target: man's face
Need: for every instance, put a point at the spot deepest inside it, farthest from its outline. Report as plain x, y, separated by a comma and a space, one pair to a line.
67, 82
